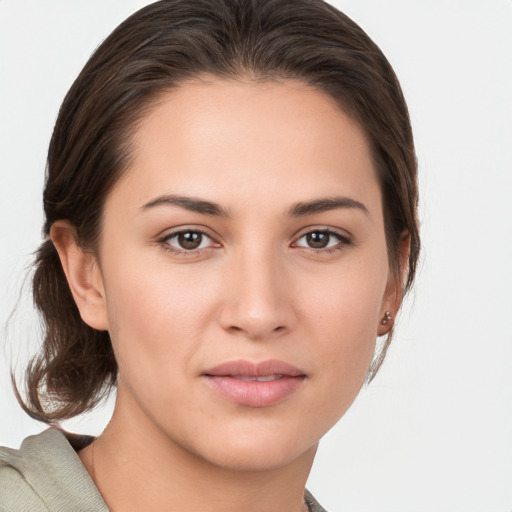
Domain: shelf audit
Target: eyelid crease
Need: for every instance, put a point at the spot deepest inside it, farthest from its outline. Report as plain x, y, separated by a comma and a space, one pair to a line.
184, 228
172, 234
324, 229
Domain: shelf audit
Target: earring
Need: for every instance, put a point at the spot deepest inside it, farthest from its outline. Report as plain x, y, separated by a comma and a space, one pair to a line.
386, 318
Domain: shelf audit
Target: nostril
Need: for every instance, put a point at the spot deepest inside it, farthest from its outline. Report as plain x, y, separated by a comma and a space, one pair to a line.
254, 332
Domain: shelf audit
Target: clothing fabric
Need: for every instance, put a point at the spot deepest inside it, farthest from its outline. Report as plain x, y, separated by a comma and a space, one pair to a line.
46, 474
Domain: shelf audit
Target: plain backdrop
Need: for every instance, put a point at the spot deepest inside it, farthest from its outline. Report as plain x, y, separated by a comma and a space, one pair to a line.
433, 432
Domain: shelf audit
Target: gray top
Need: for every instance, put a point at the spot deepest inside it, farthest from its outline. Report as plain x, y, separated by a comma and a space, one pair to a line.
46, 474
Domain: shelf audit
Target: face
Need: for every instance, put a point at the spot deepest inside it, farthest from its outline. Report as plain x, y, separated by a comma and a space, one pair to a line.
244, 268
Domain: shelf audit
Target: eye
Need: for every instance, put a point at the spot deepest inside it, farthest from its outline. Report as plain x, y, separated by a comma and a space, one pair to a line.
322, 239
187, 241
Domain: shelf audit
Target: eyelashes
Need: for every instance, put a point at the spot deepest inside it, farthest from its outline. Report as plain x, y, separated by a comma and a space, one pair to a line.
195, 241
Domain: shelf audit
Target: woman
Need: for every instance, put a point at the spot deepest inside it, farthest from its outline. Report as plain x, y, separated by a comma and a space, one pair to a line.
231, 222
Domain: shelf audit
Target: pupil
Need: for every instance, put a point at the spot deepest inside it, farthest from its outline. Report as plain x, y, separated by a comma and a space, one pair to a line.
317, 240
190, 240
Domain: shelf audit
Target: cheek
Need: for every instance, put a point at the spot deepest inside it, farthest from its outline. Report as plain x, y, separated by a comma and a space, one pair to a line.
346, 333
343, 318
157, 314
347, 302
144, 311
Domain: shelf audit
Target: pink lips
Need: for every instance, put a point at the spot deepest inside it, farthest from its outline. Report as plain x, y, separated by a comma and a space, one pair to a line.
255, 384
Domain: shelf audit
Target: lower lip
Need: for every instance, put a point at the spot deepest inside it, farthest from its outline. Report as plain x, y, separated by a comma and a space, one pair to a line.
255, 393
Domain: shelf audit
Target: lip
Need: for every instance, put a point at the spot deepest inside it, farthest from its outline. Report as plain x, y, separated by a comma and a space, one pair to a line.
237, 381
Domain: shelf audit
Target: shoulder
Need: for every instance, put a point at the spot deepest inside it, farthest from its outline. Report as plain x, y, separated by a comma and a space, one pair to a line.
47, 474
312, 504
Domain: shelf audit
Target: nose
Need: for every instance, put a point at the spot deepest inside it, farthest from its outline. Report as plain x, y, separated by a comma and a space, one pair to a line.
257, 297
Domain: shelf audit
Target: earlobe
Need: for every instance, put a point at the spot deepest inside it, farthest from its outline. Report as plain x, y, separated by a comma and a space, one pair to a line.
385, 324
394, 289
83, 275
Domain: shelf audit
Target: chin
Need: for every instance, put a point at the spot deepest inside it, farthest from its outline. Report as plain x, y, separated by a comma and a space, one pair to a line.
256, 452
259, 459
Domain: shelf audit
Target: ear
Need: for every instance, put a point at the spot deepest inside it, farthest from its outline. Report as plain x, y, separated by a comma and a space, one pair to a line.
394, 288
83, 275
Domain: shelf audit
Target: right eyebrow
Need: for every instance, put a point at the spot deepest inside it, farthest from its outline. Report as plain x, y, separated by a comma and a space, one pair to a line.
192, 204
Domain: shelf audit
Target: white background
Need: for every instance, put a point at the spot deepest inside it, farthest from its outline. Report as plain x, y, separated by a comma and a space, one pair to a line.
433, 432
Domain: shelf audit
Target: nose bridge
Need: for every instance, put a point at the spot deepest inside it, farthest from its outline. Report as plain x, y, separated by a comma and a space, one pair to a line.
258, 302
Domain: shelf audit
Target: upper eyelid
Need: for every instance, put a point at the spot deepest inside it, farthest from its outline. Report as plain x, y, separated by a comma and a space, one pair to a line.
329, 229
174, 234
170, 232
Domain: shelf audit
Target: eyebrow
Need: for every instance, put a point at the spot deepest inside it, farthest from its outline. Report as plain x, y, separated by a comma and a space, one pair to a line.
326, 204
301, 209
188, 203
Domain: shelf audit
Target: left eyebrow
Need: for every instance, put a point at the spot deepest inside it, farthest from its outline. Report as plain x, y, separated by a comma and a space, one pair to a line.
326, 204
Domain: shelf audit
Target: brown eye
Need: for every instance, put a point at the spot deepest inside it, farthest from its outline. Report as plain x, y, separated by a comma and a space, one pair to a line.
318, 239
184, 241
190, 240
322, 239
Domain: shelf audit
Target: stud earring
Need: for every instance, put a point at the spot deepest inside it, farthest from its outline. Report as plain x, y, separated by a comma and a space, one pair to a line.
386, 318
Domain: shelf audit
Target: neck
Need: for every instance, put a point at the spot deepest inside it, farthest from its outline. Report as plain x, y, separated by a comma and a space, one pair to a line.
138, 467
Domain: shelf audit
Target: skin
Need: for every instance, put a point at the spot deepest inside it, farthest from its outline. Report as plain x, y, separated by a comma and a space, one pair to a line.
254, 290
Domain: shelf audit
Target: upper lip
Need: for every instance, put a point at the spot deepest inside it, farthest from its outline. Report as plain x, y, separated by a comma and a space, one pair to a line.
246, 368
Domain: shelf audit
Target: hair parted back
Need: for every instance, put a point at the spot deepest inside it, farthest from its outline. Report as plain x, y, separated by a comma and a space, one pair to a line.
155, 50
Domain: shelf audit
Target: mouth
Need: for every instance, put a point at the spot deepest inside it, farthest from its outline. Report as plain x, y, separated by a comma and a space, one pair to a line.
266, 378
251, 384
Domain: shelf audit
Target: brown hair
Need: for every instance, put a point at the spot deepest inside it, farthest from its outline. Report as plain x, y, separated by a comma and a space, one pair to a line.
155, 50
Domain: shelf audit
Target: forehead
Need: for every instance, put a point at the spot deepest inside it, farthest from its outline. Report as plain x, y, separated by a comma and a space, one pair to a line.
234, 141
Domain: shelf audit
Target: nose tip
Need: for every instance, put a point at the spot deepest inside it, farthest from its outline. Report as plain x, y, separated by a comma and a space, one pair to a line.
257, 303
